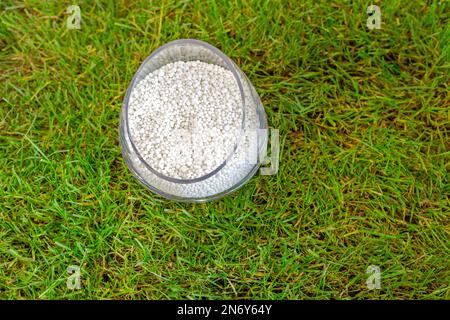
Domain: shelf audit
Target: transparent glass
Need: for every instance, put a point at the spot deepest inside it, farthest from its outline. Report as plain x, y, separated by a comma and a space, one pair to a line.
235, 171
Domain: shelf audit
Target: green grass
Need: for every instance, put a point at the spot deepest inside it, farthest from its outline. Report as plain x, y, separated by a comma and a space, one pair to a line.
364, 126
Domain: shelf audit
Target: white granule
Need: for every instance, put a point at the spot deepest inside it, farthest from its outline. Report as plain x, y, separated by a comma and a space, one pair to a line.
186, 119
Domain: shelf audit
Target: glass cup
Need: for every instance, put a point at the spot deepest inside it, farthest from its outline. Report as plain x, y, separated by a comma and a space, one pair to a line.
242, 161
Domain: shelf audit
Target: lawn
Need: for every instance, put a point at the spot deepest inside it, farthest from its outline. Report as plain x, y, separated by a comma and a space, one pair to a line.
363, 179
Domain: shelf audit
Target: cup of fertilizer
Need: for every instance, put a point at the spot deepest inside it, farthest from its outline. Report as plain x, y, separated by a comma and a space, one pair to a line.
192, 127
